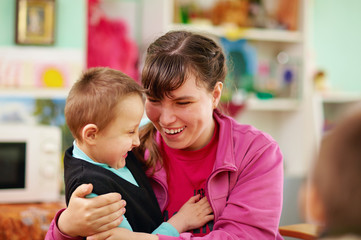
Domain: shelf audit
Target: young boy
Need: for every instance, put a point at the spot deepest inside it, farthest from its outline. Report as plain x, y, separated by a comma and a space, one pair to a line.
103, 112
334, 192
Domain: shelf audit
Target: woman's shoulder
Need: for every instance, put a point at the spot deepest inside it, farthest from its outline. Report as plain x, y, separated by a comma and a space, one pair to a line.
239, 131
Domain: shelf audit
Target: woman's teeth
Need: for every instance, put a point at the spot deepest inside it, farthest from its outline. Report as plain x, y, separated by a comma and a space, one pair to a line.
173, 131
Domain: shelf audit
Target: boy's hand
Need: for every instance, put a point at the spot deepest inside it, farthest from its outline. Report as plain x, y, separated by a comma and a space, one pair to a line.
85, 217
193, 214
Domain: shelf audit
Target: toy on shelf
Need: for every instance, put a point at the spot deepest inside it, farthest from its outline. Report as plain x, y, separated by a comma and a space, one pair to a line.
241, 62
275, 14
320, 81
231, 12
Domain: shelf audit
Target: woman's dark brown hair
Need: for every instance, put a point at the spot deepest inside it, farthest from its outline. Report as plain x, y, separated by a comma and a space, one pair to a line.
170, 60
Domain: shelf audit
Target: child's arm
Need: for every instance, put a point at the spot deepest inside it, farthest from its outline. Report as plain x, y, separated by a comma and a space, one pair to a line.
123, 224
193, 214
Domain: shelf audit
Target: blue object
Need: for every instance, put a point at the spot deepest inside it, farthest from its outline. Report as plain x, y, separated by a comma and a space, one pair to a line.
288, 76
241, 62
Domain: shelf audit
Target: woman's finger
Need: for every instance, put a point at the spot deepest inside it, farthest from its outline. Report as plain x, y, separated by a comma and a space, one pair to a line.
106, 208
110, 221
106, 217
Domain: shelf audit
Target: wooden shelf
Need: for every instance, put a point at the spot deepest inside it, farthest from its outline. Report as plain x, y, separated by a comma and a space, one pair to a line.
273, 104
340, 97
34, 92
256, 34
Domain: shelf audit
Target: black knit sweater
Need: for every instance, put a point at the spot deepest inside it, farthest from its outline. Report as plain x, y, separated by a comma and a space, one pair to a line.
142, 209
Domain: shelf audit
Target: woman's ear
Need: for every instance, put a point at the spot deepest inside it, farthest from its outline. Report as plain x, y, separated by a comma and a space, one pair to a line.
89, 133
217, 92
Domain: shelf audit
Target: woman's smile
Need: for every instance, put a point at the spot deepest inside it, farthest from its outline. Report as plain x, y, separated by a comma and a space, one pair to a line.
173, 131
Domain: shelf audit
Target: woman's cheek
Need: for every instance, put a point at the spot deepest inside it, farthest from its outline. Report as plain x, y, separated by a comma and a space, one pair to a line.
151, 111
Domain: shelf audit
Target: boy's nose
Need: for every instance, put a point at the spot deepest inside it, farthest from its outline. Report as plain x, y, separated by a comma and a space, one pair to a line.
136, 141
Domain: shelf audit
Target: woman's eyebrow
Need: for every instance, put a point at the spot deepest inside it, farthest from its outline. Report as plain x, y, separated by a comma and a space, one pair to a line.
182, 98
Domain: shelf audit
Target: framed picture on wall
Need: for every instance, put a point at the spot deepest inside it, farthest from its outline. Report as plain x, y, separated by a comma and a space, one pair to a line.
35, 22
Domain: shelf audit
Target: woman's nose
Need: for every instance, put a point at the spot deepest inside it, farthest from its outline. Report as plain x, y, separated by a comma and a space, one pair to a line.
167, 116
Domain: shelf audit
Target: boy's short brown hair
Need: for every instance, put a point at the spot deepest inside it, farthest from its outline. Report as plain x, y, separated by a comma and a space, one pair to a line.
93, 97
337, 176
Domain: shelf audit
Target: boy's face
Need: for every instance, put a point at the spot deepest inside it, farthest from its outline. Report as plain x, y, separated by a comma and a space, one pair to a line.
121, 135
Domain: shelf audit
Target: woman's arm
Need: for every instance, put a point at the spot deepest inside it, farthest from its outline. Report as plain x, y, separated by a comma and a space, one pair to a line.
123, 234
252, 208
193, 214
85, 217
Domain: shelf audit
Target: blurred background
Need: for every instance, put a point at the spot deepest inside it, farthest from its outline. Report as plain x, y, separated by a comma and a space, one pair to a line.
293, 64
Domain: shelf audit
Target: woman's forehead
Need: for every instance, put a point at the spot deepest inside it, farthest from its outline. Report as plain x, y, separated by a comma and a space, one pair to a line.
189, 89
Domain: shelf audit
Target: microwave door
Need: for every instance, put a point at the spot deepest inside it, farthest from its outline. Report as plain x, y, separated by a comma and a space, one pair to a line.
12, 165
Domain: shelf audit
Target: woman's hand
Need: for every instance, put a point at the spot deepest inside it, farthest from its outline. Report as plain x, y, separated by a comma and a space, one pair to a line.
85, 217
122, 234
193, 214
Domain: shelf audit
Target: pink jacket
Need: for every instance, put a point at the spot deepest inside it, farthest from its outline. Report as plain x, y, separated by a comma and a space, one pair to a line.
245, 188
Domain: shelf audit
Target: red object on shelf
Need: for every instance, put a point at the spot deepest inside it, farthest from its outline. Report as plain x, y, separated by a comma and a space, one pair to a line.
109, 44
232, 109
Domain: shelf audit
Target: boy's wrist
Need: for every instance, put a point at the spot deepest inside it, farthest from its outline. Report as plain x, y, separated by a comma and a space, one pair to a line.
177, 223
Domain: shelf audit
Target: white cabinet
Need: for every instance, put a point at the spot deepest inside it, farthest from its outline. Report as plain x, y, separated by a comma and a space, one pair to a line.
335, 105
292, 120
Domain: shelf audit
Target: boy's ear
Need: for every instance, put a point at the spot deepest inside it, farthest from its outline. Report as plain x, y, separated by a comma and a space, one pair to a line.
217, 92
89, 133
314, 206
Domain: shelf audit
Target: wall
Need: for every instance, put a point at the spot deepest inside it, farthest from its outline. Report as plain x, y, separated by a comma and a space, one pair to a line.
70, 31
336, 42
70, 40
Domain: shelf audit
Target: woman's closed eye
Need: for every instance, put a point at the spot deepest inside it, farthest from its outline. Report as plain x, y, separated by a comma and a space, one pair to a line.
183, 103
153, 100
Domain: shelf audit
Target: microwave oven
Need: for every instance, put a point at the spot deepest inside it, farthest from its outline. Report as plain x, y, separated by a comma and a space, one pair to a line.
30, 158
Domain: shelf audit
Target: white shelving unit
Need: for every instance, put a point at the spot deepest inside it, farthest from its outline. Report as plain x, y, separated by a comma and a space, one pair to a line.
335, 105
22, 67
275, 104
47, 93
340, 97
292, 122
246, 33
